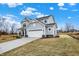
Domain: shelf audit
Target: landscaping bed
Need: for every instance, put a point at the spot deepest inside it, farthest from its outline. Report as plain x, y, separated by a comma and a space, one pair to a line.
5, 38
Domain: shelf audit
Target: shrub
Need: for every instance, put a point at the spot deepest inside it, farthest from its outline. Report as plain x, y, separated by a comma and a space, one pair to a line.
18, 36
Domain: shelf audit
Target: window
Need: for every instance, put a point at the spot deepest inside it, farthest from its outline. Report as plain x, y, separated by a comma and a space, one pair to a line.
24, 25
45, 21
49, 29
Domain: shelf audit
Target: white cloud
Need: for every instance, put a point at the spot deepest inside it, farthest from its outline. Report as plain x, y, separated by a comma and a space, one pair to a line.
69, 17
60, 4
28, 11
38, 14
32, 12
12, 4
31, 9
72, 4
62, 8
51, 8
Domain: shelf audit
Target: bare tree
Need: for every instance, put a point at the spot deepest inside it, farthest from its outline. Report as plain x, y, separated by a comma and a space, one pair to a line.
69, 27
3, 27
7, 26
13, 28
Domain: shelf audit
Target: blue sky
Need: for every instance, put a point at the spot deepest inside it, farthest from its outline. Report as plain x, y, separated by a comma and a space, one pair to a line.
62, 12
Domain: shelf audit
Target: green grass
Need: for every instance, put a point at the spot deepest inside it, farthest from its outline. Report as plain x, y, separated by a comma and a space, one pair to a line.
65, 45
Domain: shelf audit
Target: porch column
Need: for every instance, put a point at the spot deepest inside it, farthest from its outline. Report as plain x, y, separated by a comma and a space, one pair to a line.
18, 33
21, 33
24, 33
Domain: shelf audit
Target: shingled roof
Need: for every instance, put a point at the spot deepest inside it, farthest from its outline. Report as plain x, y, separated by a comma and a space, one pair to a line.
39, 19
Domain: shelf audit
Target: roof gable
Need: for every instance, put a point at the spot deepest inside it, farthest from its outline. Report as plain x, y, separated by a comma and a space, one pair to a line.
26, 19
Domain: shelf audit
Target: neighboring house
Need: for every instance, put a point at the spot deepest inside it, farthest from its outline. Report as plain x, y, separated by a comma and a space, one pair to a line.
39, 27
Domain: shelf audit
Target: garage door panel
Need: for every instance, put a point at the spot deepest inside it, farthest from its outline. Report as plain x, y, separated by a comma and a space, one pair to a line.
35, 33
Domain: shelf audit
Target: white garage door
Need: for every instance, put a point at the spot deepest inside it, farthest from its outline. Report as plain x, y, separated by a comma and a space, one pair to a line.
35, 33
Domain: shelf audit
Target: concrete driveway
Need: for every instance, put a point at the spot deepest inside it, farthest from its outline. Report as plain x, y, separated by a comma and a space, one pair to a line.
6, 46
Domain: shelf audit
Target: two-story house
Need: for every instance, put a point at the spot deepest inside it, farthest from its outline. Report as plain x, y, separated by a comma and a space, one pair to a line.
39, 27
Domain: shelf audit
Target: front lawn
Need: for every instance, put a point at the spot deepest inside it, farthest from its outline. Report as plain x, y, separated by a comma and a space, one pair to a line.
75, 35
65, 45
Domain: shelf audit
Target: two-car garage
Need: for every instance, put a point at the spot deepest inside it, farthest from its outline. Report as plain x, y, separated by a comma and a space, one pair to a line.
35, 33
35, 29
